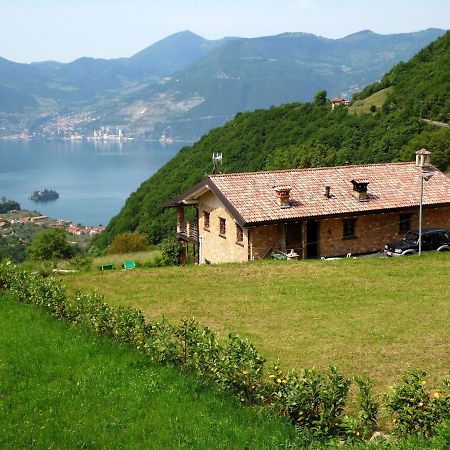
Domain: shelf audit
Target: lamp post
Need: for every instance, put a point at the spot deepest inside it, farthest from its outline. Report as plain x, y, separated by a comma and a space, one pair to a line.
424, 167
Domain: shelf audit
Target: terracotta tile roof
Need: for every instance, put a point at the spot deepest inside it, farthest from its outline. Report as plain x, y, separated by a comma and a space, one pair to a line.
391, 186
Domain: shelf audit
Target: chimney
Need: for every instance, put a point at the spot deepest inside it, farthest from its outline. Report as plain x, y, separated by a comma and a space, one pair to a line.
283, 196
327, 191
360, 189
423, 159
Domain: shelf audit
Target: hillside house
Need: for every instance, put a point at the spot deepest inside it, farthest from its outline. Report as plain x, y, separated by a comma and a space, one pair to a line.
315, 212
339, 101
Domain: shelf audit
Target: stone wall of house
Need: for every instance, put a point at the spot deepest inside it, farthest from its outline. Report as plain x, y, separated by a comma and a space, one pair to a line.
374, 231
215, 248
265, 238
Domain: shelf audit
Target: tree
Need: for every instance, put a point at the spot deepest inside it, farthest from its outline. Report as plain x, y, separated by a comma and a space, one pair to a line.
50, 244
320, 98
128, 243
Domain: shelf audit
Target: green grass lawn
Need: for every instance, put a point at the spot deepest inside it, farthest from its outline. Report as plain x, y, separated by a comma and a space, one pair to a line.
372, 316
63, 388
363, 106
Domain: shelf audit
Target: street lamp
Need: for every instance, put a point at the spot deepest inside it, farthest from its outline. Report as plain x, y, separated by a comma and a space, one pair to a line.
425, 169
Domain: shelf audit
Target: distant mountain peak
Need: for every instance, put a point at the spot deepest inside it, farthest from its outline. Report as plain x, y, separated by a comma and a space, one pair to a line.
360, 35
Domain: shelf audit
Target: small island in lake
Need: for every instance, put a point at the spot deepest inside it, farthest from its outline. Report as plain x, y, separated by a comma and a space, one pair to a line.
44, 196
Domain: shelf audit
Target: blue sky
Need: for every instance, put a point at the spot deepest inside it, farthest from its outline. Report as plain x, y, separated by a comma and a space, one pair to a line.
62, 30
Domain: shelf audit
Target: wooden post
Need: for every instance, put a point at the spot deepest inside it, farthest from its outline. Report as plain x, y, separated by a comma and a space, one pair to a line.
283, 237
180, 219
304, 239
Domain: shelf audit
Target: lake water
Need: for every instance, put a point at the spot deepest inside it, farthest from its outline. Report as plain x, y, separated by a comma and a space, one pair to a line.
93, 178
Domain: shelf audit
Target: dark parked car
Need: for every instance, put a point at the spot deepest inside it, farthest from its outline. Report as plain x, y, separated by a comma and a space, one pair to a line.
432, 239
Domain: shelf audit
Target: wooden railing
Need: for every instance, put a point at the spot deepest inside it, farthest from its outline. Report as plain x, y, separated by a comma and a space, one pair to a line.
188, 230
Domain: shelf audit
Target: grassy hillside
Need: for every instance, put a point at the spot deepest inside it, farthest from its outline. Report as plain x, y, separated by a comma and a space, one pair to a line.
363, 106
305, 135
63, 388
373, 316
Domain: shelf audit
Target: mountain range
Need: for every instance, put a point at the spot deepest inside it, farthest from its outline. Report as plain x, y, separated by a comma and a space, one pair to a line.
184, 85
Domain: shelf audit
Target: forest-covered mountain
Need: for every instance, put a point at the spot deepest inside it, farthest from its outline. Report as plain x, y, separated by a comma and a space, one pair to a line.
247, 74
185, 85
307, 135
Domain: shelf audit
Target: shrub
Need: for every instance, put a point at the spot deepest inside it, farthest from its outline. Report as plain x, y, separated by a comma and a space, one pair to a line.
416, 410
161, 343
310, 399
129, 242
368, 414
50, 244
95, 251
171, 249
241, 368
82, 262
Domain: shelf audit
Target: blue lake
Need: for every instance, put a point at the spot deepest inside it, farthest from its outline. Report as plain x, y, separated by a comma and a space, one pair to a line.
93, 178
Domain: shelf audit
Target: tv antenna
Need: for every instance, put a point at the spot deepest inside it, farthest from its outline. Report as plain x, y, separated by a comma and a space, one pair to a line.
217, 161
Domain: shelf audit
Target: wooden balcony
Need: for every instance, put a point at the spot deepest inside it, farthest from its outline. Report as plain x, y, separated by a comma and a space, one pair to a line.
188, 231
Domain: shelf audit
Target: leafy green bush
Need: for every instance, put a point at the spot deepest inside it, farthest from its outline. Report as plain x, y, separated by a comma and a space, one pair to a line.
369, 407
416, 409
95, 251
171, 250
82, 262
129, 242
311, 400
241, 368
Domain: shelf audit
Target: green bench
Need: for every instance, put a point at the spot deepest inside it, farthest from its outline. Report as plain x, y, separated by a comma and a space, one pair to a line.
106, 267
129, 265
277, 255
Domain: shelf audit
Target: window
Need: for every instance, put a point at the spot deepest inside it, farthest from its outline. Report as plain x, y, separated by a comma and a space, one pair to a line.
405, 222
206, 220
222, 227
349, 228
239, 234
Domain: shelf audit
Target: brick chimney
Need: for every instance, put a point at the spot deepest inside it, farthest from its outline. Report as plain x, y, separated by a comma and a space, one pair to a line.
283, 194
360, 189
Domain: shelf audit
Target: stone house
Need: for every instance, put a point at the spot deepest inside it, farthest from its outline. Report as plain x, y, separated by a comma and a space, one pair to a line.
315, 212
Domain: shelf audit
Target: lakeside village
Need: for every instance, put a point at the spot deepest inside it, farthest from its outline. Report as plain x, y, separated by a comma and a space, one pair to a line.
65, 130
23, 217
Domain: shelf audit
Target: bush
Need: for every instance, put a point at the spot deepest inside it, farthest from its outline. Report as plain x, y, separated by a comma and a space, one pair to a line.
82, 262
416, 410
241, 368
95, 251
310, 399
50, 244
129, 242
171, 249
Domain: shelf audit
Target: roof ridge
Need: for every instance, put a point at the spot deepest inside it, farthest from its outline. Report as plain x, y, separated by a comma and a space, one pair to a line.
308, 169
